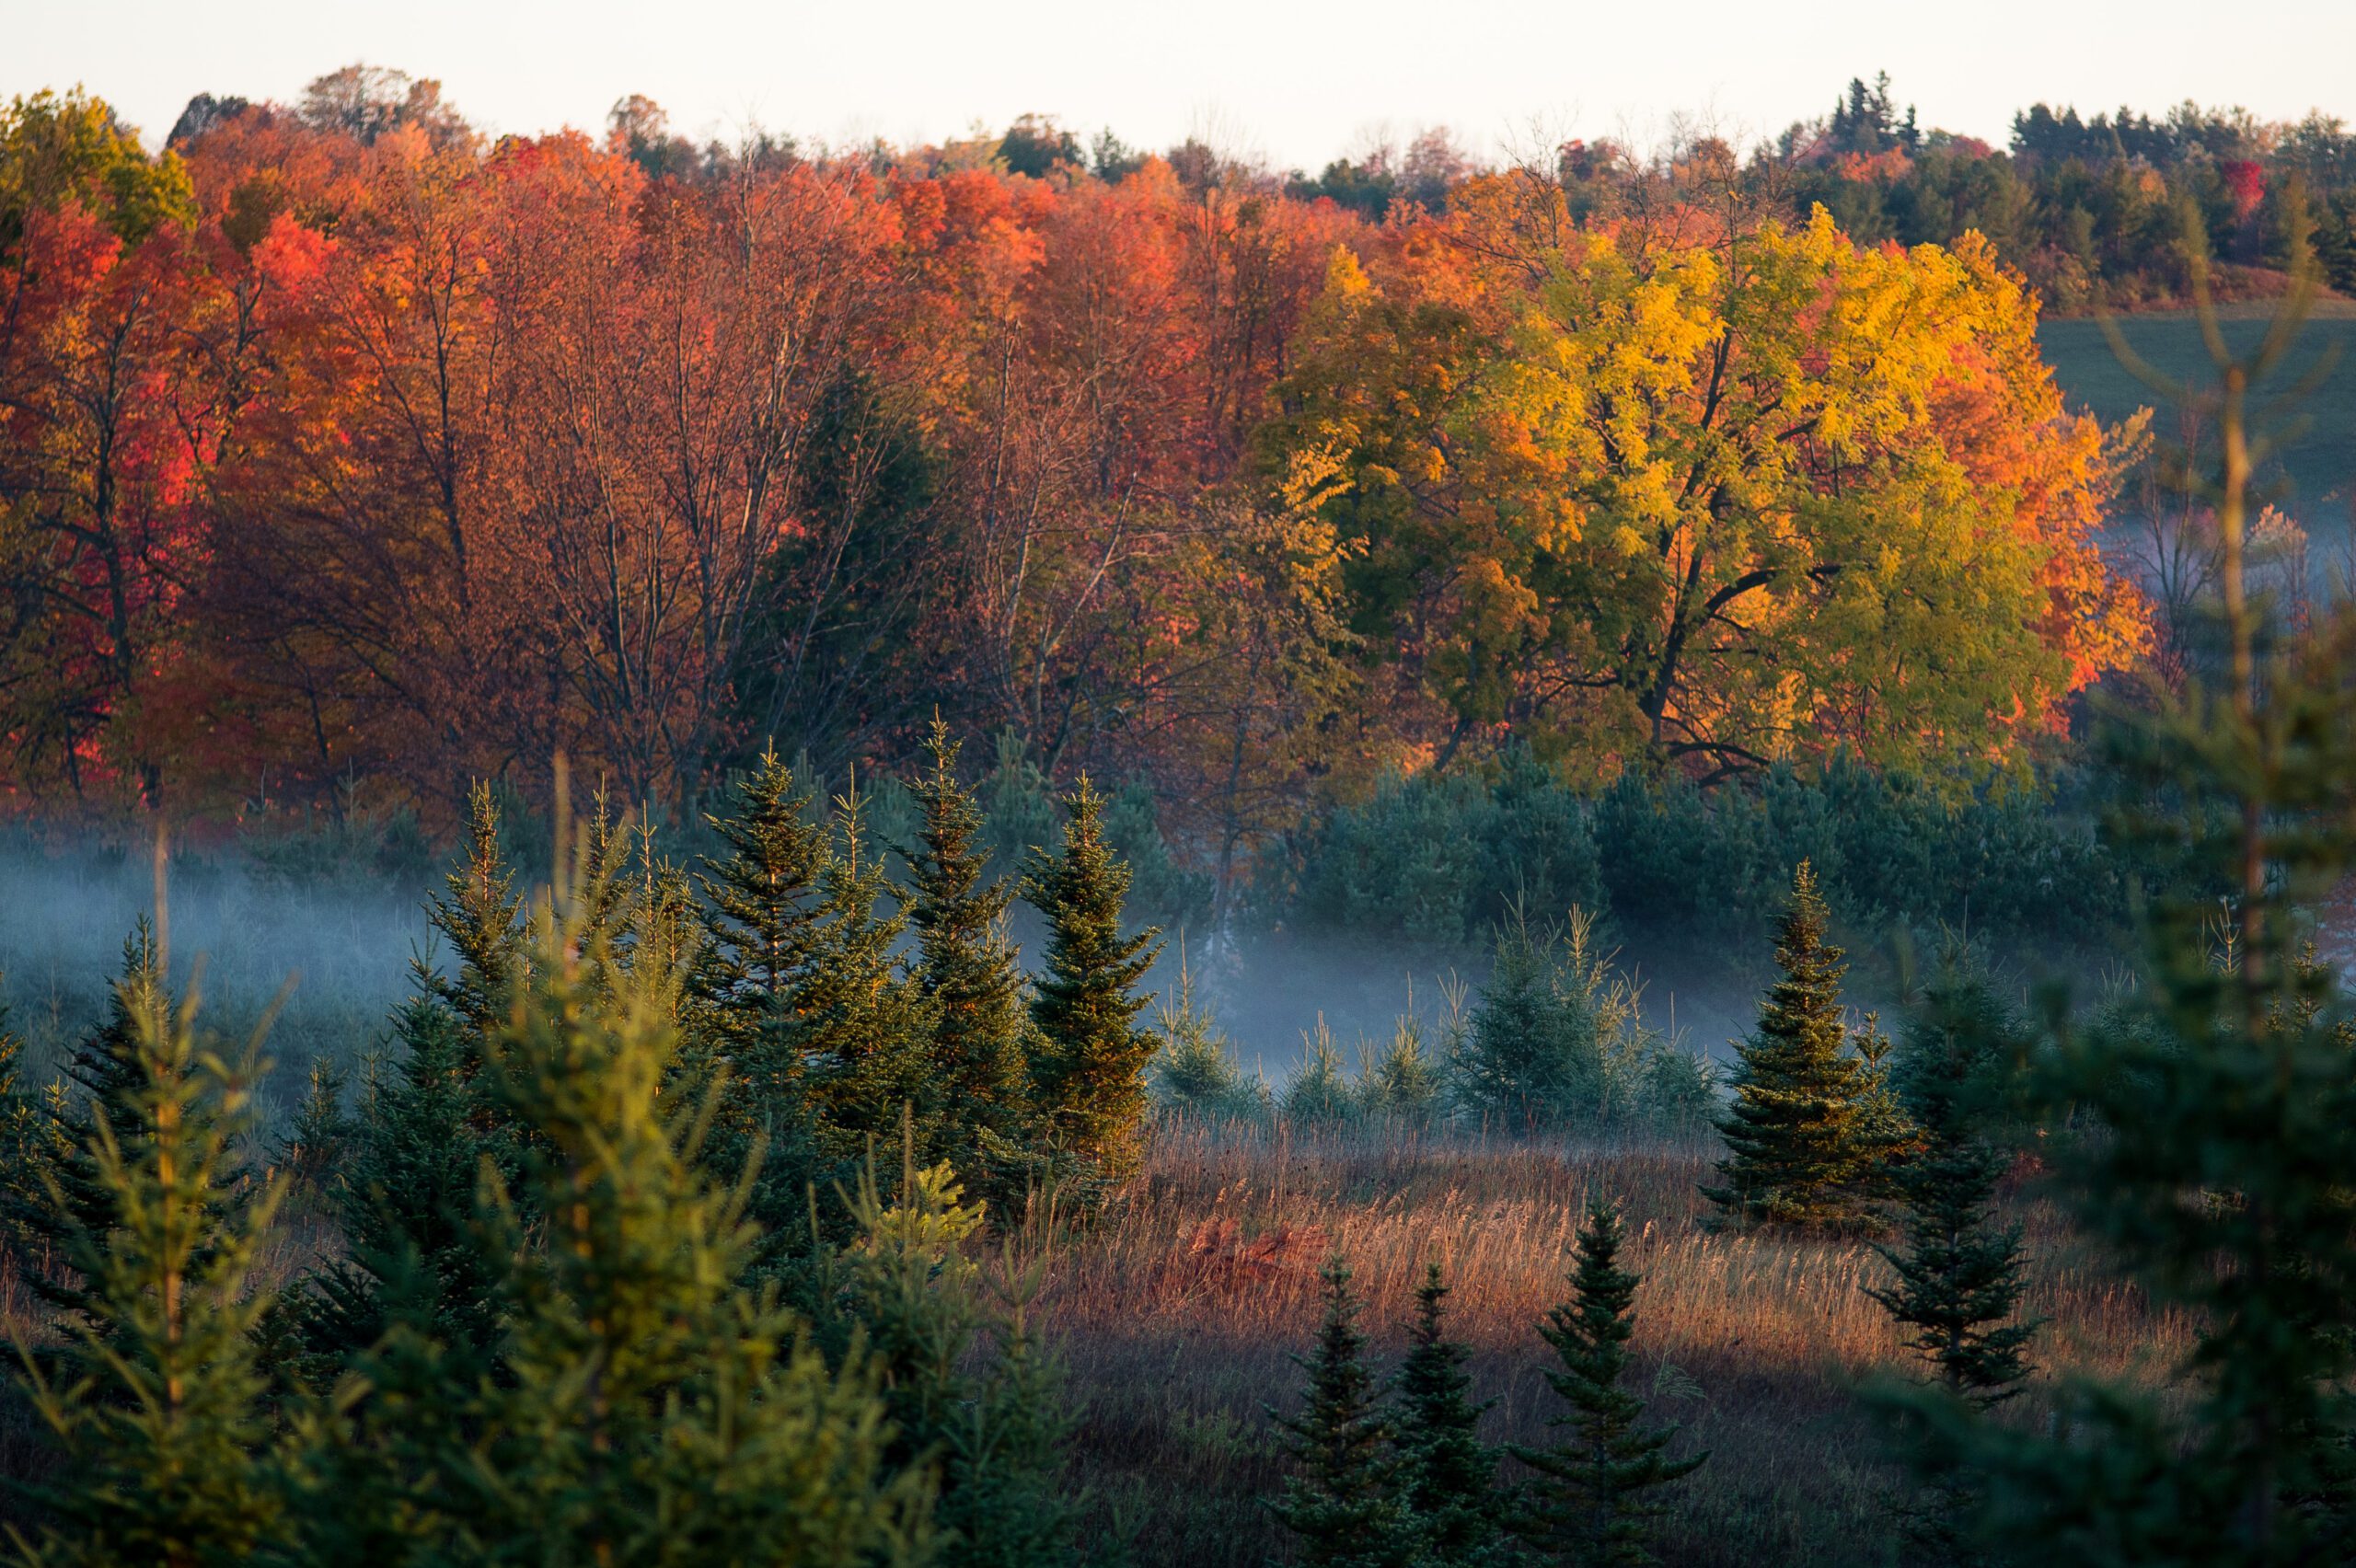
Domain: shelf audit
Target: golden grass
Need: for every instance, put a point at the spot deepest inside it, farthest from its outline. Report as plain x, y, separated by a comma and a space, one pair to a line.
1176, 1318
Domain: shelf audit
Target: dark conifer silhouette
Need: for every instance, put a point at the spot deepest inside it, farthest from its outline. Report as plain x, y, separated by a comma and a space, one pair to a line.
1806, 1143
1088, 1075
1342, 1503
970, 972
1597, 1494
1447, 1475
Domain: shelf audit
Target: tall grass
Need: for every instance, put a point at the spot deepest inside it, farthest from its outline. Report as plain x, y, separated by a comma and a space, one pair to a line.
1177, 1316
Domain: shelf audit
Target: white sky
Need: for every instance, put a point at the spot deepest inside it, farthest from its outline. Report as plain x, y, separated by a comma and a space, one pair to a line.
1298, 82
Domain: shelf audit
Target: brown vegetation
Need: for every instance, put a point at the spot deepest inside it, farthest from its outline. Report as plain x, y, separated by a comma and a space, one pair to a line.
1176, 1318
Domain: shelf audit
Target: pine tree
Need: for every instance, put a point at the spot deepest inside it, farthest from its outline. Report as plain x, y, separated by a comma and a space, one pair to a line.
315, 1146
1319, 1094
1088, 1075
1959, 1276
760, 912
654, 1411
1957, 1290
1517, 1068
1595, 1502
155, 1403
105, 1067
477, 915
989, 1436
762, 928
27, 1145
1447, 1475
1342, 1503
1802, 1146
861, 1026
970, 971
1194, 1067
405, 1203
1401, 1083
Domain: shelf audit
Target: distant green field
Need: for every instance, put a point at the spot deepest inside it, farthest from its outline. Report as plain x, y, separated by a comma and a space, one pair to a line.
2315, 471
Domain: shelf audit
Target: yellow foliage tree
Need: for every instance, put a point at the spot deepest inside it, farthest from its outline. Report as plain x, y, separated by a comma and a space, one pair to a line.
1642, 499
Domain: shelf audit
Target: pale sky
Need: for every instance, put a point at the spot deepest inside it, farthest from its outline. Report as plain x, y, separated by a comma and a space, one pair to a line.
1296, 81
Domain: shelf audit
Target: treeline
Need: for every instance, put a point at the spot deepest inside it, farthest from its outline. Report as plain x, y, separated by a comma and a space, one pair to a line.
2090, 208
345, 449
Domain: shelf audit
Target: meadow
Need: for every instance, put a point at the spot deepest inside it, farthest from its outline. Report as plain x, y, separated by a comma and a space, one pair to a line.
2314, 478
1178, 1319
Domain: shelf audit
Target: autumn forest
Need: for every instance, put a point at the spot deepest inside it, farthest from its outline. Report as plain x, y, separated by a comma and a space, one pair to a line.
991, 846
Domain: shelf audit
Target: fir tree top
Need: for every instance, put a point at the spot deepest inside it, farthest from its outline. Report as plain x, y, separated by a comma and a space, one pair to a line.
759, 896
1342, 1502
478, 914
1811, 1127
969, 969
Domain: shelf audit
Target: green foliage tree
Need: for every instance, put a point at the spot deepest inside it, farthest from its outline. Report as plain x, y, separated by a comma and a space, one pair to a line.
155, 1401
1558, 1034
60, 148
1088, 1075
1805, 1145
1341, 1503
1404, 1081
404, 1202
1596, 1495
1959, 1276
1320, 1093
107, 1084
989, 1438
760, 913
970, 971
1447, 1475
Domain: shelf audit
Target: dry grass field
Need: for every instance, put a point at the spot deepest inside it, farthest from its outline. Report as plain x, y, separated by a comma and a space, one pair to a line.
1175, 1320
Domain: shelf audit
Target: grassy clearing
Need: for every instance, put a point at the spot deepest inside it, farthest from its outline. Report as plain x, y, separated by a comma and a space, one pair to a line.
1176, 1319
2316, 472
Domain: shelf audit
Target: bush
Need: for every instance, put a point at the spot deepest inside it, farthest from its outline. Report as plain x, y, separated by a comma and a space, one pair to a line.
1558, 1035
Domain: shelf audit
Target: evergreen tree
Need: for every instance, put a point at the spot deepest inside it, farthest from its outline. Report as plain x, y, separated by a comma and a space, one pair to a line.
404, 1202
1518, 1067
760, 913
970, 971
861, 1026
1803, 1145
315, 1146
1447, 1475
989, 1438
1402, 1083
155, 1403
1960, 1276
477, 915
761, 920
653, 1412
1319, 1094
107, 1082
1089, 1073
1342, 1503
29, 1146
1194, 1067
1595, 1502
